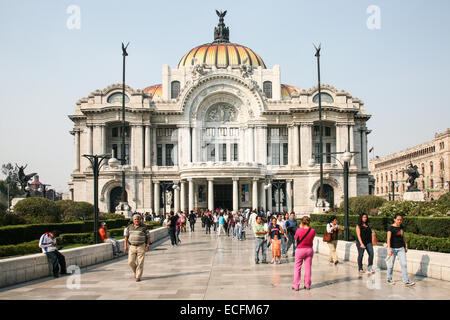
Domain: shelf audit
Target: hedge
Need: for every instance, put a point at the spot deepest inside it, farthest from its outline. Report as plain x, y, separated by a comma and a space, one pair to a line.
428, 226
28, 232
417, 242
20, 249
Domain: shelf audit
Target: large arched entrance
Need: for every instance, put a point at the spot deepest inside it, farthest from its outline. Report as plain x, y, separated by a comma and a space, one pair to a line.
114, 198
328, 194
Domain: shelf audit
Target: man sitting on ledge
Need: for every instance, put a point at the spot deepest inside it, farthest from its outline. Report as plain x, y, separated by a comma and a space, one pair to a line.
47, 243
104, 237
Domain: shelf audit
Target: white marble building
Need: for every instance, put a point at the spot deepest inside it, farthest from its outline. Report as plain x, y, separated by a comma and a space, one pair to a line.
222, 126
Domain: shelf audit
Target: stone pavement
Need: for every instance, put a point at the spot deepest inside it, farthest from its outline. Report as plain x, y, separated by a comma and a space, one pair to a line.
208, 267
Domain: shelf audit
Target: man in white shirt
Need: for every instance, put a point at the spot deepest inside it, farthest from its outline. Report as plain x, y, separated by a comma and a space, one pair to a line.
252, 219
47, 243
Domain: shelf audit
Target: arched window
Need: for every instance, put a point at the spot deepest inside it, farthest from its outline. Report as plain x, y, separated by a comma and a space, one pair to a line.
423, 184
267, 88
441, 165
174, 89
325, 97
431, 167
117, 97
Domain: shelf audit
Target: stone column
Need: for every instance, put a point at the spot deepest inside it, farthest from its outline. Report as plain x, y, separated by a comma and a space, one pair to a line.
351, 143
104, 139
195, 143
211, 194
269, 199
290, 145
90, 147
261, 143
241, 148
151, 197
262, 192
139, 147
306, 150
191, 194
255, 194
176, 196
147, 147
183, 195
154, 152
296, 146
289, 195
250, 145
364, 148
235, 194
156, 197
77, 150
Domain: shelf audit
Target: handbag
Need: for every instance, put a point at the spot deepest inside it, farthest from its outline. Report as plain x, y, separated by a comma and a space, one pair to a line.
298, 242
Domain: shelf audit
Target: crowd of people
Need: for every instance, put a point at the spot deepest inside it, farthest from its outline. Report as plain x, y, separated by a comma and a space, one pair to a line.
278, 231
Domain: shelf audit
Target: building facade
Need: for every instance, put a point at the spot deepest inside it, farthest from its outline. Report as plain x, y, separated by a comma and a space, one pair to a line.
223, 127
433, 161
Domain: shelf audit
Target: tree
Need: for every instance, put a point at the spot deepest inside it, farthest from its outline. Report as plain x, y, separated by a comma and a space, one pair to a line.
73, 211
11, 180
37, 210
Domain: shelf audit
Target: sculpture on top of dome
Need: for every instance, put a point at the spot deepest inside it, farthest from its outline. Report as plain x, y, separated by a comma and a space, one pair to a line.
221, 33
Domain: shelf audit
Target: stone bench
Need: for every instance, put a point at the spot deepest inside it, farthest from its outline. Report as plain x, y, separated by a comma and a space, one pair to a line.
429, 264
35, 266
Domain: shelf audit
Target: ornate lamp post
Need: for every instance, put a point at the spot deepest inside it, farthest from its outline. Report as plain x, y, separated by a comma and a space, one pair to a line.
346, 157
96, 163
317, 55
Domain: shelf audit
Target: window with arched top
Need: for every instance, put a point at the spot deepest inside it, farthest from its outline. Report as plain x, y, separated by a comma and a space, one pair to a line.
117, 97
324, 97
431, 167
267, 88
441, 165
174, 89
423, 168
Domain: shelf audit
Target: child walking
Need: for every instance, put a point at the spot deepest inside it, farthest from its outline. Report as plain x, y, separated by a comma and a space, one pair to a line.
276, 250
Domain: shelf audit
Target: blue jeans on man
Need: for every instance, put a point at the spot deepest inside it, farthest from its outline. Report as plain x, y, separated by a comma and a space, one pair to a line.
289, 243
239, 231
260, 244
401, 253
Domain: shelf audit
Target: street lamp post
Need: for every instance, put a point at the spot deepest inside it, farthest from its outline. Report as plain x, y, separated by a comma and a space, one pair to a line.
394, 184
43, 189
123, 196
320, 125
96, 163
346, 157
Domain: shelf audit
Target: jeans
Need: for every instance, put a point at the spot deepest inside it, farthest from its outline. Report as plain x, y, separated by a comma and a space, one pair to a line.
369, 249
192, 224
239, 232
57, 259
260, 243
177, 236
306, 255
216, 224
172, 236
289, 243
233, 231
208, 228
283, 245
115, 245
401, 253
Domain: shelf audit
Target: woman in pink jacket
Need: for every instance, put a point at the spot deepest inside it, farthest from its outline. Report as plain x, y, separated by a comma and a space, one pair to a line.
304, 253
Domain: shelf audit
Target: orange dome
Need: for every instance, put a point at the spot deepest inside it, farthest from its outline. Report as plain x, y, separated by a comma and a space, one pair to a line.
221, 55
155, 91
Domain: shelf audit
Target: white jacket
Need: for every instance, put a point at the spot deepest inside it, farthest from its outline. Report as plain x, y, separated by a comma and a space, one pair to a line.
47, 243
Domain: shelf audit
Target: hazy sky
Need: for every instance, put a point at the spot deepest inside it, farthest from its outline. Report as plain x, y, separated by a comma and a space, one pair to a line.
401, 71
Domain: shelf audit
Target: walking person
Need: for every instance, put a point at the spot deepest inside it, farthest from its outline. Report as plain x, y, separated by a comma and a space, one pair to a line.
183, 221
334, 230
192, 219
304, 253
238, 226
274, 230
221, 225
178, 228
397, 246
260, 242
47, 242
138, 236
172, 224
232, 225
208, 222
291, 229
215, 221
364, 242
282, 225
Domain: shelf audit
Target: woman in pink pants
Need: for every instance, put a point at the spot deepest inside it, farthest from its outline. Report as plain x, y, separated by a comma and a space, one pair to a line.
304, 253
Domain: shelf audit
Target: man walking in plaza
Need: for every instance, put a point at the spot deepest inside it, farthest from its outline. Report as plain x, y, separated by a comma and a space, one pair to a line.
138, 235
47, 243
291, 229
260, 242
192, 218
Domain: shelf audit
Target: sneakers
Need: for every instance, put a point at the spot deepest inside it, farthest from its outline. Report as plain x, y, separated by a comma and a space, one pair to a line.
409, 283
390, 281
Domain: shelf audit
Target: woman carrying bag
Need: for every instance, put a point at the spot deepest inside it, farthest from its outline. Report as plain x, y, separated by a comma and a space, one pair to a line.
304, 237
331, 237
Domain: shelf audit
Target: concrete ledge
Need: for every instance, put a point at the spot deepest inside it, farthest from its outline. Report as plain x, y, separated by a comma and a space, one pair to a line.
429, 264
36, 266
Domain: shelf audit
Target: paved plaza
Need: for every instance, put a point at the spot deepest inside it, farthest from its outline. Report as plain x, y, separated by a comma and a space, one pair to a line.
211, 267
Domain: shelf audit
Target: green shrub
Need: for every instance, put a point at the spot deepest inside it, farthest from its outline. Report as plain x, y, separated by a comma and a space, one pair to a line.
3, 208
109, 216
37, 210
20, 249
416, 209
74, 210
10, 219
24, 233
363, 204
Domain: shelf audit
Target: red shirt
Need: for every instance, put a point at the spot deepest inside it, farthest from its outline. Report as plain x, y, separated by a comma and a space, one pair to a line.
308, 241
103, 235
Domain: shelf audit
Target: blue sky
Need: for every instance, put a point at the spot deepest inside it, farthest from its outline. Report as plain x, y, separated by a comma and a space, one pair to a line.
400, 71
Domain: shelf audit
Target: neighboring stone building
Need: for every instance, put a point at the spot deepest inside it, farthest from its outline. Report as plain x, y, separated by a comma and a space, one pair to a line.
222, 126
433, 162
